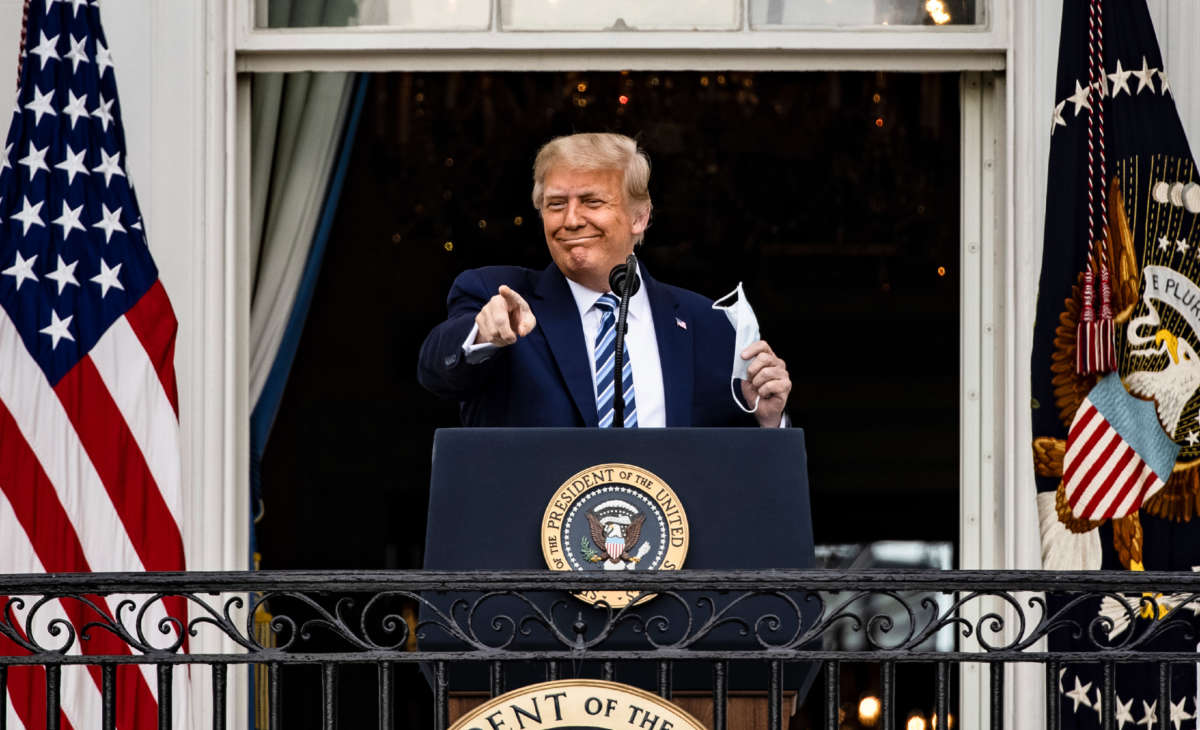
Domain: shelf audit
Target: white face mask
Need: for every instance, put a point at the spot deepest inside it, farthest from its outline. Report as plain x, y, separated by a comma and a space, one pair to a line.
745, 325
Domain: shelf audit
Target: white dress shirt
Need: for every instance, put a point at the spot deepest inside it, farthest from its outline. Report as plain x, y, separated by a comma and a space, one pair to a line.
641, 346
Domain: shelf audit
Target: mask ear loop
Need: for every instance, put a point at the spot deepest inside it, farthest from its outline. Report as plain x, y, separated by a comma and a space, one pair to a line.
718, 305
739, 403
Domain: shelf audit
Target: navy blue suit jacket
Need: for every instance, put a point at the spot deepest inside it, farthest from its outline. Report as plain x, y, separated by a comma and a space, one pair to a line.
545, 379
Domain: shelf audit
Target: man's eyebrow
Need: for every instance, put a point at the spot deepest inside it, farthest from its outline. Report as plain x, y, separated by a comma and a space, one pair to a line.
587, 193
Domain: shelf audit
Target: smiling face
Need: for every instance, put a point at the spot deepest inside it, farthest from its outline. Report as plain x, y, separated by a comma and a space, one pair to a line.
588, 224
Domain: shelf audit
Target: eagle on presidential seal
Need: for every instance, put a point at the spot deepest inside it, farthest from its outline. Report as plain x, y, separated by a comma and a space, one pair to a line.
1156, 316
615, 532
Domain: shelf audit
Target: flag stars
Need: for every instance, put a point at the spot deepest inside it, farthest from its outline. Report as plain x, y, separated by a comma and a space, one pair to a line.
72, 164
57, 329
1058, 116
69, 220
64, 274
109, 166
46, 49
77, 54
76, 4
29, 215
1193, 438
1080, 98
103, 112
35, 160
1162, 79
1182, 245
4, 161
1120, 81
1124, 714
1145, 77
40, 105
1149, 713
103, 58
75, 107
21, 270
110, 221
1163, 243
1179, 714
1080, 695
107, 278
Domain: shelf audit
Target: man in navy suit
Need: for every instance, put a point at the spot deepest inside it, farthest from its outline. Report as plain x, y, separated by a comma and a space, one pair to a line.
519, 347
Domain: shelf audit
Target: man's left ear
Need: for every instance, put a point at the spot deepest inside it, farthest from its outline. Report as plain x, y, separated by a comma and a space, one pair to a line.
641, 221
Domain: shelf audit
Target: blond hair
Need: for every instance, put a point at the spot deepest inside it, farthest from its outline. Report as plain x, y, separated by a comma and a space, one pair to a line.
597, 151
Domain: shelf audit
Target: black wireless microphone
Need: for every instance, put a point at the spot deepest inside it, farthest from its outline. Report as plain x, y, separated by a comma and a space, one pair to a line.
624, 282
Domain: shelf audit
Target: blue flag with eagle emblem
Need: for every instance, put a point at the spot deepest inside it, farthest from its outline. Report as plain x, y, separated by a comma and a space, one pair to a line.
1116, 377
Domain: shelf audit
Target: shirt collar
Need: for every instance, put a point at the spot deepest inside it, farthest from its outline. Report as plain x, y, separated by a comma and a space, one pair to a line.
585, 298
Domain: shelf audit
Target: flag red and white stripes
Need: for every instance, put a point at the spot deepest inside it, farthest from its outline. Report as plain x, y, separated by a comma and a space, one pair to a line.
1117, 454
1103, 476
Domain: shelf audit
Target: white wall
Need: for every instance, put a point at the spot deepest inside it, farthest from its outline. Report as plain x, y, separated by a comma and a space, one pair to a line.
1177, 23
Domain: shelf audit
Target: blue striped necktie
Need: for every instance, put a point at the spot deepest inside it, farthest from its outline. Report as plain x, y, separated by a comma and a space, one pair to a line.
606, 350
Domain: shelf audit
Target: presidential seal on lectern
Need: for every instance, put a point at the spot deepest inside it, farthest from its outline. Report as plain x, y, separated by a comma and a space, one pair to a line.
578, 704
614, 517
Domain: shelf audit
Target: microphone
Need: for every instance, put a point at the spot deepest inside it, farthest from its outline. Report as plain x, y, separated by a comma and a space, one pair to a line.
624, 282
618, 276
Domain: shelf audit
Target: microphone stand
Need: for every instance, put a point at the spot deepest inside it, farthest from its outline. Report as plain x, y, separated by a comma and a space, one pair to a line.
625, 279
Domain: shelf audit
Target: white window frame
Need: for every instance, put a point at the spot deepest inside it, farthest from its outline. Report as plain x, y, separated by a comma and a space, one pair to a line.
990, 37
980, 53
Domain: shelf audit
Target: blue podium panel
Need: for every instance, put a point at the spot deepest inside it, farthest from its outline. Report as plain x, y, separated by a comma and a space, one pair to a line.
744, 490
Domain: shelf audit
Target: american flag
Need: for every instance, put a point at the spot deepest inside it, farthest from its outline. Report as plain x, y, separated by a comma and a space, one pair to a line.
89, 429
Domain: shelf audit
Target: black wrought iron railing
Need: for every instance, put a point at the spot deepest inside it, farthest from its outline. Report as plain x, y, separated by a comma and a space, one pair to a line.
513, 627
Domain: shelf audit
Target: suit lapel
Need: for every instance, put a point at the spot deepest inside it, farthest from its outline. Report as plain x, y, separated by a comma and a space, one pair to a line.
674, 352
558, 318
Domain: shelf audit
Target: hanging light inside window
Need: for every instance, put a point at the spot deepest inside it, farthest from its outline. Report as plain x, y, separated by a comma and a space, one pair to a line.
937, 11
868, 710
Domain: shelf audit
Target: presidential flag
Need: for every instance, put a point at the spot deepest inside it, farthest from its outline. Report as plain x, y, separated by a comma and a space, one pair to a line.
1116, 376
89, 437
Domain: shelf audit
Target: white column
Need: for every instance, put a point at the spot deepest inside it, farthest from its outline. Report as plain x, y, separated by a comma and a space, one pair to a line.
1177, 24
1032, 69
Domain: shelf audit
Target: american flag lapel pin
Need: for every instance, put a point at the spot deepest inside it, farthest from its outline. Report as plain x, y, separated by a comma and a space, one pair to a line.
681, 323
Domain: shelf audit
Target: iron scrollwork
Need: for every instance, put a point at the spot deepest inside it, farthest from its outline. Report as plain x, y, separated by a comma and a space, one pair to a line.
488, 615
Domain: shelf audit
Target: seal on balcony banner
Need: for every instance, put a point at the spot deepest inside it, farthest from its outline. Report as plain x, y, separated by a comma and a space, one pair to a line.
579, 704
1116, 376
614, 517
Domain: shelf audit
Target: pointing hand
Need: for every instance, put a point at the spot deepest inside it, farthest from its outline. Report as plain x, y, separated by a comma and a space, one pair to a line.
505, 318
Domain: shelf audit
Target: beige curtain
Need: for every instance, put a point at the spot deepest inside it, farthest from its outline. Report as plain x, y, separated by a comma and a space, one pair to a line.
296, 127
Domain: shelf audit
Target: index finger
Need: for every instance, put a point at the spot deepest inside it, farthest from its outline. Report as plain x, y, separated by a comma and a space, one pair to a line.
755, 348
514, 299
